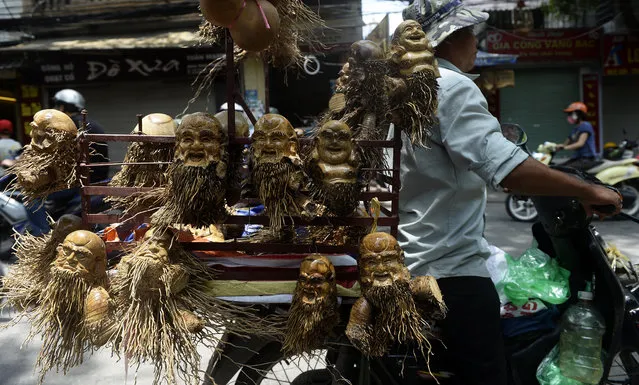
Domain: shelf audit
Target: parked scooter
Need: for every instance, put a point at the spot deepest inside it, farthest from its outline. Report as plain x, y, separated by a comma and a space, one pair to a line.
622, 173
564, 232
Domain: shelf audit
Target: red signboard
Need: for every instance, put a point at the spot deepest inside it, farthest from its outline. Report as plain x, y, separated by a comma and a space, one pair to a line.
546, 45
621, 55
590, 92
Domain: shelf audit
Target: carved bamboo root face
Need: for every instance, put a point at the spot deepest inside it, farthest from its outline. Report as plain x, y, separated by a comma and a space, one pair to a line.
83, 253
200, 140
274, 139
411, 49
335, 145
316, 280
381, 261
44, 126
156, 246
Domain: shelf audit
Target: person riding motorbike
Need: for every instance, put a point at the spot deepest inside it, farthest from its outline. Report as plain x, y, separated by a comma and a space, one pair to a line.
581, 139
442, 206
71, 102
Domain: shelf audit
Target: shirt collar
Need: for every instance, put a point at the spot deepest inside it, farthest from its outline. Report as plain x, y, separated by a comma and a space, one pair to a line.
443, 63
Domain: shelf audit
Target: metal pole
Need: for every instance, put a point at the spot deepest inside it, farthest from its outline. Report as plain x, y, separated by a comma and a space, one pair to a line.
230, 85
84, 172
397, 184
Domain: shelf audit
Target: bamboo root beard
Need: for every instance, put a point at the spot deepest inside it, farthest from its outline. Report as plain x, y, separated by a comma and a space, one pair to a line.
59, 318
272, 183
40, 173
135, 175
398, 319
166, 310
417, 115
341, 199
308, 325
194, 196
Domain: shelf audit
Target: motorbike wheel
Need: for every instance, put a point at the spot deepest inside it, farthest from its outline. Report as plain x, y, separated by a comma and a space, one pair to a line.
299, 370
625, 368
314, 377
521, 210
634, 209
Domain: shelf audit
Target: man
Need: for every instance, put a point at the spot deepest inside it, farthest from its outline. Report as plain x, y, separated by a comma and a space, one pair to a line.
443, 195
581, 139
8, 146
71, 102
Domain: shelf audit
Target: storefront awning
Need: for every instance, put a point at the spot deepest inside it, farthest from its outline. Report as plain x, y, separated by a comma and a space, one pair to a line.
485, 59
176, 39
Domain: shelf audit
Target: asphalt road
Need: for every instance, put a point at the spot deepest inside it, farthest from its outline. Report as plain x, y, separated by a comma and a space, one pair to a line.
16, 362
515, 237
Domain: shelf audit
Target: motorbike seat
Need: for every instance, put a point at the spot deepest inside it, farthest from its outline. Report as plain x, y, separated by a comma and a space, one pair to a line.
605, 163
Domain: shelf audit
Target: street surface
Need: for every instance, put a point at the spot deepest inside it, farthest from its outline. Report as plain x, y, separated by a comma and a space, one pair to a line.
16, 362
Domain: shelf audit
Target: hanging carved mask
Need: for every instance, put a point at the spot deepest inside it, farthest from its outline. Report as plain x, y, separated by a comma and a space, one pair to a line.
316, 280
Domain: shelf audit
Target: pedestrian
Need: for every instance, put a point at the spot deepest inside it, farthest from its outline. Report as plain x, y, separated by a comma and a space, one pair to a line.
581, 138
9, 147
443, 196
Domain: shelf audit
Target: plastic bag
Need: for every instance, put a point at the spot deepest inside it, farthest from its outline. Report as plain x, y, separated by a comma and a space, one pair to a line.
548, 372
535, 275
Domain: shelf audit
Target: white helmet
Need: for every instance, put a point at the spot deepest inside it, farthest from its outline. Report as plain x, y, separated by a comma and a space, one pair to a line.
69, 96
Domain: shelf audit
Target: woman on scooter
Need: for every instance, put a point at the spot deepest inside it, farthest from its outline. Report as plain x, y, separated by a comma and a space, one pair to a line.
581, 139
442, 205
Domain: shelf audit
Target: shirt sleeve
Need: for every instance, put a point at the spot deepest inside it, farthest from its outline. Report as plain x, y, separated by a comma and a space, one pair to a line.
472, 136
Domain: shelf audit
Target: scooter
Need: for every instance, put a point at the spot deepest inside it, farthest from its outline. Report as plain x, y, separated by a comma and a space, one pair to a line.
622, 174
563, 232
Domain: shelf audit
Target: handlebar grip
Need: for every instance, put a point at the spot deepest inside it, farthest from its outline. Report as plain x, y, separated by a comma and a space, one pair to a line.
606, 209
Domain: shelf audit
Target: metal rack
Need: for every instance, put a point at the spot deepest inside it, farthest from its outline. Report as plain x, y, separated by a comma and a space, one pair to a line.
390, 218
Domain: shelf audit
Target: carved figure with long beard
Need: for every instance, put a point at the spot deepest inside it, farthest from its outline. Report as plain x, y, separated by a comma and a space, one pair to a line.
334, 169
387, 312
165, 309
277, 174
73, 312
48, 162
196, 190
414, 73
313, 313
28, 277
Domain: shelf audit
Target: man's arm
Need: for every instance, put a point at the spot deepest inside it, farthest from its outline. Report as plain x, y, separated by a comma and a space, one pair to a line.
534, 178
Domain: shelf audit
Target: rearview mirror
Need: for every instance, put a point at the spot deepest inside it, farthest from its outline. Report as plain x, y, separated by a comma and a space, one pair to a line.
514, 133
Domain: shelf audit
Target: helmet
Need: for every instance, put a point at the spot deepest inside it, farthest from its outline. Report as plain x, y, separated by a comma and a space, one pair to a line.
610, 145
71, 97
6, 127
576, 106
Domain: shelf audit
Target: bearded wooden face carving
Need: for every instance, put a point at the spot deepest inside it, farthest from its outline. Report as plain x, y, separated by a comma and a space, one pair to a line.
82, 253
335, 143
200, 140
45, 125
411, 50
157, 246
381, 261
274, 139
317, 280
412, 37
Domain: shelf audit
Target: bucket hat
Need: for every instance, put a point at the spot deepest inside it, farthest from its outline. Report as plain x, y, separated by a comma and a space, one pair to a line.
440, 18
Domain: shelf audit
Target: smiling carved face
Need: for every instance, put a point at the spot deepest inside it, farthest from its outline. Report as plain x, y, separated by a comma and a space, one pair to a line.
412, 37
200, 140
316, 280
381, 261
334, 143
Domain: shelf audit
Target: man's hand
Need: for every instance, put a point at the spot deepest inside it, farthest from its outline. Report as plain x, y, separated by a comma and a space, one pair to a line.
560, 147
601, 196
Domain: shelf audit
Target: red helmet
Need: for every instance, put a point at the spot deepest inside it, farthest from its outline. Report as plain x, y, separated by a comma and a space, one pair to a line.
577, 106
6, 127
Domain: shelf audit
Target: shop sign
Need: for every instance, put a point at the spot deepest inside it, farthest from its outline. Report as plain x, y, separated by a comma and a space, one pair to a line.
621, 55
590, 92
138, 64
30, 103
546, 45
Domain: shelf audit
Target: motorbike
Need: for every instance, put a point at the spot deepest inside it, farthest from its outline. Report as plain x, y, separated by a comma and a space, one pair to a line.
563, 231
621, 172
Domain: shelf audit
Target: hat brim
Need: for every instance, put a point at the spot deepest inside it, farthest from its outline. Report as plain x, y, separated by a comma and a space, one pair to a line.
459, 18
